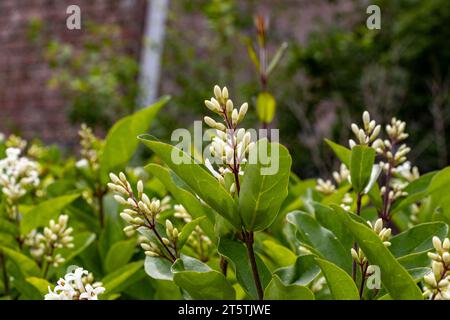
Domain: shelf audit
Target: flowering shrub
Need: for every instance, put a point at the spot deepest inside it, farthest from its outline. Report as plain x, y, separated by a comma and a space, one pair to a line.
229, 222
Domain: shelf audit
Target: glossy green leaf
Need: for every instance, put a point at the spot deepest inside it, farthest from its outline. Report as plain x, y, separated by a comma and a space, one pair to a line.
417, 239
394, 277
121, 142
416, 190
158, 268
187, 230
41, 214
236, 254
361, 163
302, 272
201, 282
196, 177
279, 255
321, 239
329, 220
264, 186
277, 290
40, 284
343, 153
27, 266
119, 279
342, 286
179, 190
119, 254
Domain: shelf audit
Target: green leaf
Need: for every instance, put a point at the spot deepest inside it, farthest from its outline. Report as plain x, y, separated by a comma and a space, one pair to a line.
342, 286
439, 189
40, 284
121, 142
41, 214
187, 230
119, 279
393, 276
196, 177
417, 239
158, 268
27, 266
265, 107
321, 239
119, 254
277, 290
202, 282
343, 153
329, 220
179, 190
264, 186
236, 254
416, 190
361, 163
80, 241
278, 254
302, 272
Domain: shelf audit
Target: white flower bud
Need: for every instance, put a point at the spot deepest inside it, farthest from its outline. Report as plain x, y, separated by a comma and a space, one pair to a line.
115, 179
242, 111
140, 187
437, 244
225, 93
217, 92
211, 106
120, 200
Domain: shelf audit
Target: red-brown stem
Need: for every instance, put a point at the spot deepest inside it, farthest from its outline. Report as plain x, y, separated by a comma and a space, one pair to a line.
364, 268
248, 237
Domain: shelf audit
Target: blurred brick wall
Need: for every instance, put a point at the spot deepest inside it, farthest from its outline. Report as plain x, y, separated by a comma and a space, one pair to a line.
27, 105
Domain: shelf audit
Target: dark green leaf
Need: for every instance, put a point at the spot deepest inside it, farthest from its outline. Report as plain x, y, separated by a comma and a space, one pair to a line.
393, 276
277, 290
197, 178
342, 286
361, 163
236, 254
264, 186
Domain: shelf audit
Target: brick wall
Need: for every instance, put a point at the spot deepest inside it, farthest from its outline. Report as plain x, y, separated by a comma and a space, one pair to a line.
27, 105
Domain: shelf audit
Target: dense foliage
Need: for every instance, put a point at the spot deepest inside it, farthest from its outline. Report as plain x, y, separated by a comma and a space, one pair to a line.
196, 229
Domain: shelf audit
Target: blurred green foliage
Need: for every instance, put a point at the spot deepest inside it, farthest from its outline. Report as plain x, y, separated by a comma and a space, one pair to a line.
96, 77
342, 69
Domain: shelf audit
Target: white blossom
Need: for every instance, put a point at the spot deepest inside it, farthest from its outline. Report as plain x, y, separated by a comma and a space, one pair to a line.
76, 285
17, 175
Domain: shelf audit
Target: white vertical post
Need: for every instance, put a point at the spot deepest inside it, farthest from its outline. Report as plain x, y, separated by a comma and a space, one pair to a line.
153, 41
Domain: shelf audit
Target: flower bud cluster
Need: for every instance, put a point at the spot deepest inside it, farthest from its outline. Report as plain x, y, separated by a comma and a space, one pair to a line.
230, 145
17, 175
342, 175
367, 134
56, 236
389, 149
325, 187
76, 285
384, 235
437, 282
140, 211
406, 172
90, 148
